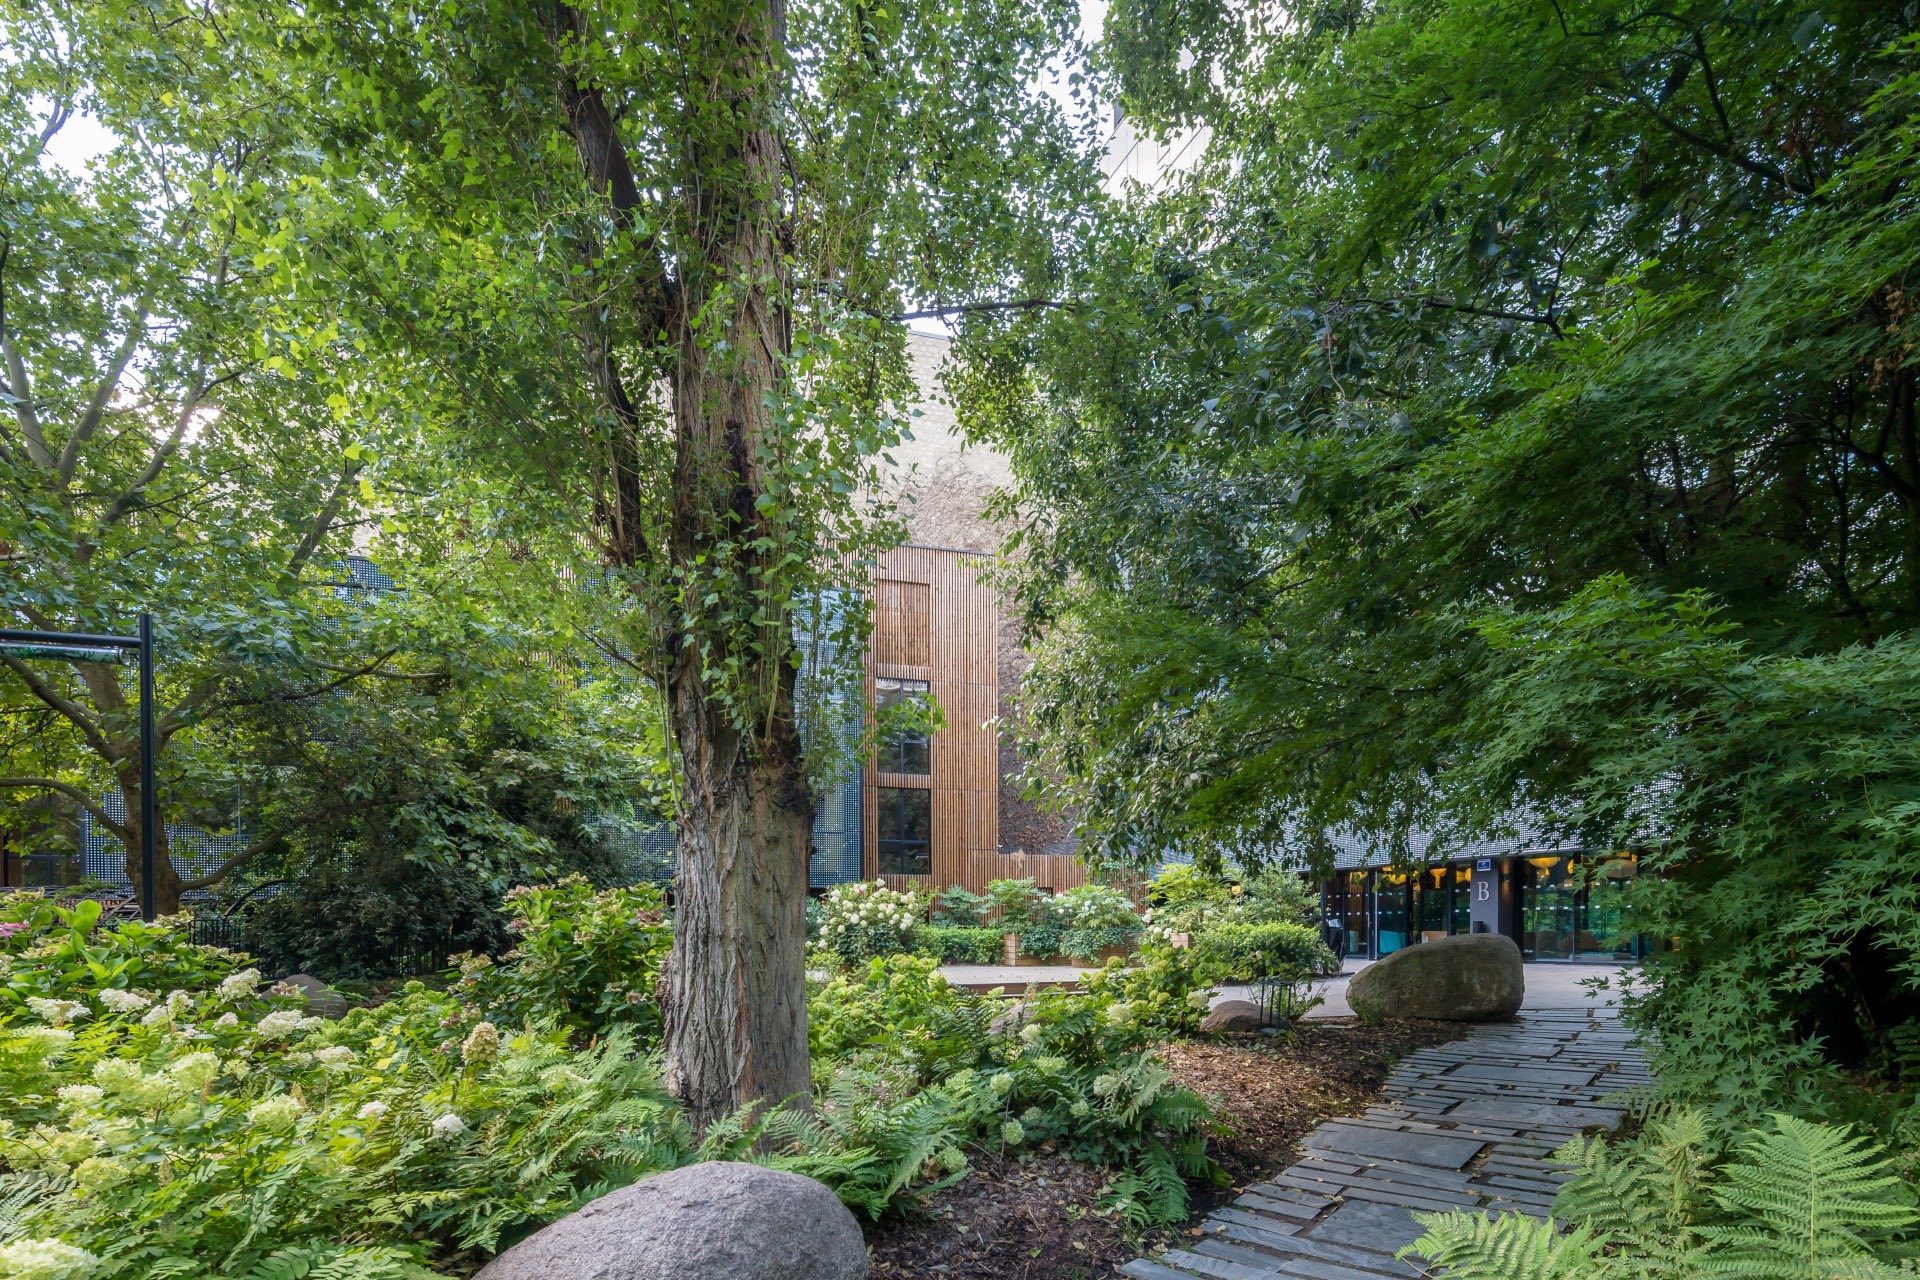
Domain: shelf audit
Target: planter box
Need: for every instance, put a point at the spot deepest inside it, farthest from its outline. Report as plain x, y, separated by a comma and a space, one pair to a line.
1113, 953
1010, 953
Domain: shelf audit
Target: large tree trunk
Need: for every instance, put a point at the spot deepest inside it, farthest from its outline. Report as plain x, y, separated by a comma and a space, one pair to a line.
735, 986
166, 887
736, 1016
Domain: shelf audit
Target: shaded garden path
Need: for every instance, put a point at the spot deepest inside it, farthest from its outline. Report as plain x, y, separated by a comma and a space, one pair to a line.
1464, 1125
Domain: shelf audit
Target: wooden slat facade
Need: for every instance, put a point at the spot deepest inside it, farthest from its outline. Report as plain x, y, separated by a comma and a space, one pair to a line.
936, 620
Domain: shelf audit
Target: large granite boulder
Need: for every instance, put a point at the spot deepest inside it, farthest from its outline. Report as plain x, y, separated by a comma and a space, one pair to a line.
714, 1221
1232, 1015
1471, 977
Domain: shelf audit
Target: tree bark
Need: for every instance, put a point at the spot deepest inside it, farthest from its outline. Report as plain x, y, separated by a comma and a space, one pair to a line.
735, 984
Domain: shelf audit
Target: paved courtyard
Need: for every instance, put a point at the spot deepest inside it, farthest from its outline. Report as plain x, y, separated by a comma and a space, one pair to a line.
1465, 1125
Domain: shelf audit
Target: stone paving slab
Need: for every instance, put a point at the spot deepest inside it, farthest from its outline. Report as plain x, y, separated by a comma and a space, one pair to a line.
1468, 1125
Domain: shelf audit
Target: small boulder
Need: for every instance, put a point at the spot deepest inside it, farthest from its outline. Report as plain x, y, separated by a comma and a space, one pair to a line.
322, 1000
1232, 1015
1009, 1021
1470, 977
715, 1221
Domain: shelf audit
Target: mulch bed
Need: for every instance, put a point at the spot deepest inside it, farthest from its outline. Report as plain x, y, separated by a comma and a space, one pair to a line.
1040, 1218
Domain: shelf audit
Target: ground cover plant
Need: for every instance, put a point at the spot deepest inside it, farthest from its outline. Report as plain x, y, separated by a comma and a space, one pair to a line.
1793, 1200
169, 1110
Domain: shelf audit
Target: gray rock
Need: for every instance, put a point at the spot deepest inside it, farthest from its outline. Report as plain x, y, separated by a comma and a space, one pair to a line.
322, 1000
713, 1221
1010, 1020
1471, 977
1232, 1015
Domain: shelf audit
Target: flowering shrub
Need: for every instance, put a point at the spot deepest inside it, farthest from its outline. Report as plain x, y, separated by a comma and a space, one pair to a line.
1161, 985
867, 919
588, 959
1093, 918
49, 951
1187, 900
216, 1127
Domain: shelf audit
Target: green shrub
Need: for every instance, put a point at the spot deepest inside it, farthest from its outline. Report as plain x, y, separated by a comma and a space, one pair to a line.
904, 1059
1020, 902
1161, 987
587, 960
48, 951
961, 908
867, 919
1799, 1201
1262, 951
1185, 899
954, 944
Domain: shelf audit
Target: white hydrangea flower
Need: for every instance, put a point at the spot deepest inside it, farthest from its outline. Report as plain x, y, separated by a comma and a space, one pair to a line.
239, 986
375, 1110
46, 1260
282, 1023
57, 1013
159, 1016
449, 1125
80, 1096
118, 1001
227, 1020
335, 1057
196, 1071
1012, 1134
97, 1173
277, 1114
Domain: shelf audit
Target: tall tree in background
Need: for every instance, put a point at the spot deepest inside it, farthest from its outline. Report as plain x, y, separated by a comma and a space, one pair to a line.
1513, 414
200, 417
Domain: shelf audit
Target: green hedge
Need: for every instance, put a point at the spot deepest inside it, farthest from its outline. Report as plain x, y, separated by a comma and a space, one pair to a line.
1262, 950
958, 944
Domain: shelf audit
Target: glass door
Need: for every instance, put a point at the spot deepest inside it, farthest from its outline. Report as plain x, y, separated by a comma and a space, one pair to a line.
1601, 931
1462, 876
1433, 903
1547, 902
1393, 911
1356, 908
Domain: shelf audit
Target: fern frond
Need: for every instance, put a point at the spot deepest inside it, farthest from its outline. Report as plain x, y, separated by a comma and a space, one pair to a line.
1806, 1197
1512, 1246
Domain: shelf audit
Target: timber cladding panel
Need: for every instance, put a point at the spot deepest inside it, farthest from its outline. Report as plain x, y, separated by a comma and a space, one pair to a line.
936, 620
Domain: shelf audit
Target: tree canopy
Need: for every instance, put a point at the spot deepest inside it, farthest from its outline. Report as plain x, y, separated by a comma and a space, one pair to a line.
1512, 416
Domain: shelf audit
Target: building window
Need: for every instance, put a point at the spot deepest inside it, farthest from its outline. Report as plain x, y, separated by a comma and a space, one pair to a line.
906, 831
904, 749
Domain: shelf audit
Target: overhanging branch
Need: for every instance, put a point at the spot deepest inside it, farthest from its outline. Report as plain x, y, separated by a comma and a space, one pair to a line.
73, 793
978, 308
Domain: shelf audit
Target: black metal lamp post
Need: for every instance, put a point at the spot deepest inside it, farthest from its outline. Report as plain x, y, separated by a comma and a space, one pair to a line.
81, 646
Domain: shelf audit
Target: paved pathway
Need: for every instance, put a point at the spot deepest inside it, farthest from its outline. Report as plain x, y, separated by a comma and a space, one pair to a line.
1464, 1125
